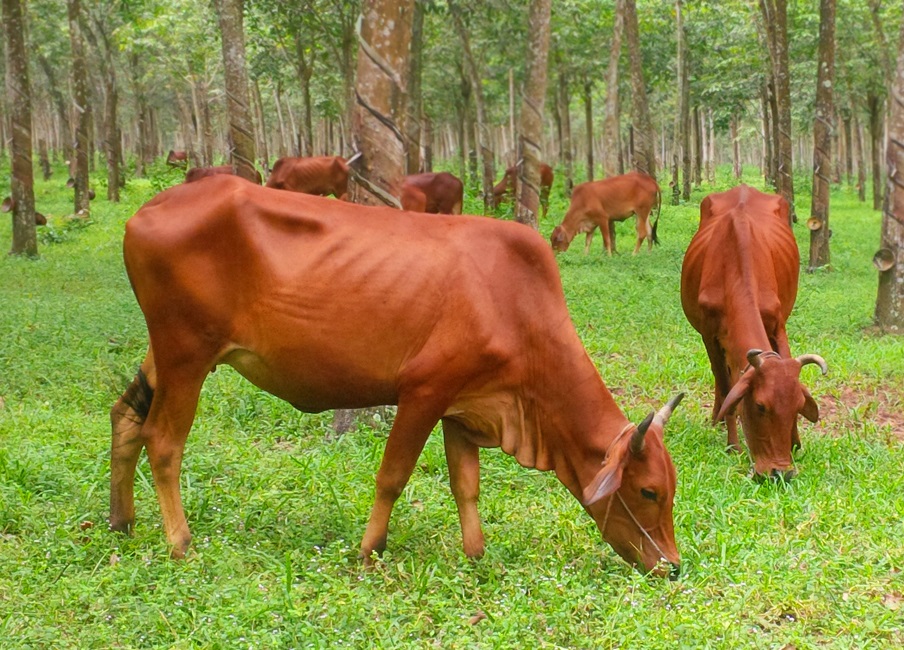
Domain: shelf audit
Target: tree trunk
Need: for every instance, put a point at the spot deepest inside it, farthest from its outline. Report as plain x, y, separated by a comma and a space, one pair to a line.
874, 105
848, 147
530, 136
59, 103
304, 67
735, 147
80, 101
238, 106
768, 154
142, 155
612, 156
566, 144
18, 93
588, 125
684, 104
261, 131
644, 139
822, 138
890, 257
112, 141
698, 147
860, 157
414, 121
775, 15
483, 127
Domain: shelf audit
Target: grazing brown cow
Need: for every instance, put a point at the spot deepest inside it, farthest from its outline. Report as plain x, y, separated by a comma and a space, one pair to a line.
328, 304
319, 175
197, 173
595, 204
177, 158
738, 286
439, 193
504, 190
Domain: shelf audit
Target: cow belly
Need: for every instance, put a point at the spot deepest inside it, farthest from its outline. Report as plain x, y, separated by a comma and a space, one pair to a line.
310, 385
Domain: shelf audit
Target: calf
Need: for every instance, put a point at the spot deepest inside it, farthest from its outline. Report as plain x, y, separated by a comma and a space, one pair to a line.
504, 190
328, 304
738, 287
439, 193
319, 175
197, 173
596, 204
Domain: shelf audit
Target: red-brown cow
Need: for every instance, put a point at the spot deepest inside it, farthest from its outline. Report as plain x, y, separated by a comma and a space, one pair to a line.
738, 286
505, 189
319, 175
433, 193
595, 204
177, 158
250, 278
197, 173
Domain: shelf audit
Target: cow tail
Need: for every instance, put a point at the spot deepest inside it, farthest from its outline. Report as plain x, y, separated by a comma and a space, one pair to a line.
653, 236
137, 399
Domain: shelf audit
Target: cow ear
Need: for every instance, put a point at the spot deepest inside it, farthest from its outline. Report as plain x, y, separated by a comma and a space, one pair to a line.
783, 210
735, 394
809, 410
609, 478
705, 209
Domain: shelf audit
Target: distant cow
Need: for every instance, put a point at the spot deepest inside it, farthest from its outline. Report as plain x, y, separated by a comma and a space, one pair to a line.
433, 193
328, 304
596, 204
505, 189
738, 287
177, 158
197, 173
9, 205
319, 175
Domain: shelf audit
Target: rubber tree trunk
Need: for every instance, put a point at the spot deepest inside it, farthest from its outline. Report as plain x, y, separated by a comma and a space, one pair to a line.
611, 154
588, 125
414, 121
80, 101
684, 103
238, 104
59, 103
531, 132
822, 138
890, 257
874, 106
564, 100
18, 97
644, 138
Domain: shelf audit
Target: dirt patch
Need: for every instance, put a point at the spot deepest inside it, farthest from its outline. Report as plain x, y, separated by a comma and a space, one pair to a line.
883, 407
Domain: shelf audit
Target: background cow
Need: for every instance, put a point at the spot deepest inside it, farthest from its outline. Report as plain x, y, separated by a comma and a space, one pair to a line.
197, 173
595, 204
738, 286
319, 175
504, 190
328, 304
433, 193
177, 158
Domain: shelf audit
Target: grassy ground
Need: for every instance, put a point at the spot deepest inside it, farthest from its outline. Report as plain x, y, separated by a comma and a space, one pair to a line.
277, 505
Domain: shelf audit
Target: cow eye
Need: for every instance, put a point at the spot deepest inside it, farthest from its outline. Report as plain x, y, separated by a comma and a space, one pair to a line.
648, 494
760, 407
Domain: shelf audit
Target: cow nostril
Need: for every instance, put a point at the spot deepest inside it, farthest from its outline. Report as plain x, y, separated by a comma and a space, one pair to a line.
675, 572
783, 475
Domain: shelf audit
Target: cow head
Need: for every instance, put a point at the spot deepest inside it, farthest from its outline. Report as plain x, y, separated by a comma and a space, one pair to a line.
560, 239
771, 397
631, 497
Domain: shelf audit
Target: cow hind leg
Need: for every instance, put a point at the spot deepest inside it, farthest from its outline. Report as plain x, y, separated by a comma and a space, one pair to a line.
462, 457
642, 226
127, 419
413, 423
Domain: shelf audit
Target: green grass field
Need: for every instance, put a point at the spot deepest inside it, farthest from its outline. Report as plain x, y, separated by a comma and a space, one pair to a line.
277, 504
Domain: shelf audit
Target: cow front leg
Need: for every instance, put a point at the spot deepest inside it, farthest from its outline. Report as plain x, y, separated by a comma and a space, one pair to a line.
608, 229
410, 430
721, 378
463, 459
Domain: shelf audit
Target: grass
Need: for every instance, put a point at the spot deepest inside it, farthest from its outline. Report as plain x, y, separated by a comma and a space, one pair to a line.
277, 504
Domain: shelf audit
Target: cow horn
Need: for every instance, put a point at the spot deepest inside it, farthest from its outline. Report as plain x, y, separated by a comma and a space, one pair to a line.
753, 357
662, 417
637, 438
804, 359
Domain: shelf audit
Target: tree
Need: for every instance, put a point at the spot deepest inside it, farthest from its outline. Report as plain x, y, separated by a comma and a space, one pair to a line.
533, 97
611, 119
80, 101
682, 148
644, 138
241, 127
889, 259
18, 92
822, 138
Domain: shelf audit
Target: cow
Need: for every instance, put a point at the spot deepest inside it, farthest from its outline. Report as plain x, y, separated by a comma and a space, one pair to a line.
197, 173
738, 287
505, 188
433, 193
9, 205
596, 204
318, 175
177, 158
328, 304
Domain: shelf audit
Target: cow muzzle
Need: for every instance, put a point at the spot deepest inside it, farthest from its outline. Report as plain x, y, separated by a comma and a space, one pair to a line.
776, 475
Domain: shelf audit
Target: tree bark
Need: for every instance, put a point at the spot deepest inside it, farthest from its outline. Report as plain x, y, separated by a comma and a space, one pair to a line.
414, 121
768, 154
262, 148
735, 147
775, 15
874, 106
848, 147
80, 101
644, 138
59, 103
822, 139
112, 141
531, 132
860, 157
238, 106
684, 104
698, 147
18, 93
588, 125
889, 314
564, 99
483, 127
612, 155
